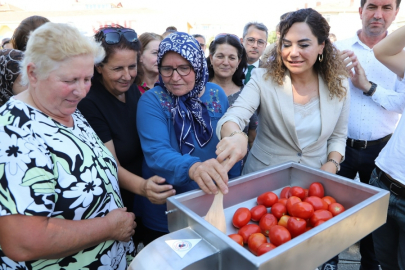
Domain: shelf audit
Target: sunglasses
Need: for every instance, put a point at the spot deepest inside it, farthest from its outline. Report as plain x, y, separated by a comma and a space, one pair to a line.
113, 36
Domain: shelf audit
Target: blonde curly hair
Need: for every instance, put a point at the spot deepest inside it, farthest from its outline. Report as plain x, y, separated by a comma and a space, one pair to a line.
331, 69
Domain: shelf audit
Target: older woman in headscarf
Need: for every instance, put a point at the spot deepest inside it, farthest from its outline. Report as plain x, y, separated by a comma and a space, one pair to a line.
60, 205
176, 122
10, 77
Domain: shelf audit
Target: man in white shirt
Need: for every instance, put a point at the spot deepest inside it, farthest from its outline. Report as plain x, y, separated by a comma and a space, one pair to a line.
254, 40
376, 94
389, 174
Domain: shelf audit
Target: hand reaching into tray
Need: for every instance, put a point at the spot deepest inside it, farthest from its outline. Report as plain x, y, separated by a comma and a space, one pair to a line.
233, 145
205, 173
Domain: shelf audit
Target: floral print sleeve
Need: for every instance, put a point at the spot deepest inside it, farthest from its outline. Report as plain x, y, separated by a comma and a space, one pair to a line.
48, 169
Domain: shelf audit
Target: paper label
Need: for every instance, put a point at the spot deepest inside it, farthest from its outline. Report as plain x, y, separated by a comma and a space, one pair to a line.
182, 246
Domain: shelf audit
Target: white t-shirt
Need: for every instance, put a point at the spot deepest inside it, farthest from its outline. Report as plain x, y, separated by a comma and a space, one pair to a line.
392, 157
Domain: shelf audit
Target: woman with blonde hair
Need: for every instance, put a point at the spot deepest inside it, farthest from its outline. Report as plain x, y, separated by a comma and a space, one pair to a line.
60, 204
301, 99
148, 73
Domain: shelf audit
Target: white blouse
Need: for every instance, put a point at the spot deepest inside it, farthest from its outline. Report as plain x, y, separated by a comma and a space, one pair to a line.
308, 122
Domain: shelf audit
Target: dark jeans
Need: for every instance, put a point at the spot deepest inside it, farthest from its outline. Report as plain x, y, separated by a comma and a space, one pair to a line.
151, 235
362, 161
389, 239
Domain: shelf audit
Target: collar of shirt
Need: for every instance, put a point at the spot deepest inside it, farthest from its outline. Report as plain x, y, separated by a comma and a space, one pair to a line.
256, 64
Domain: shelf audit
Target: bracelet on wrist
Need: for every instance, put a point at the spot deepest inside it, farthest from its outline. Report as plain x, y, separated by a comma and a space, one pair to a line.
336, 164
238, 132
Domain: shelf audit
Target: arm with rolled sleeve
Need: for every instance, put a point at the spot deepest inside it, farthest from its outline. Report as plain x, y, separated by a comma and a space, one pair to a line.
391, 100
244, 107
337, 140
160, 156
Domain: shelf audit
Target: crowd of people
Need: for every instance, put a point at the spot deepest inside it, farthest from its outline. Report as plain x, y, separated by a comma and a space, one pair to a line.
96, 133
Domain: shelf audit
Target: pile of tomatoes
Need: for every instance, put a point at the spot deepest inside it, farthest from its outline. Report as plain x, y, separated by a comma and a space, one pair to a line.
295, 212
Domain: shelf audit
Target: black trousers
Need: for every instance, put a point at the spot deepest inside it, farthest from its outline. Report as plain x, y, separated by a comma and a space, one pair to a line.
362, 161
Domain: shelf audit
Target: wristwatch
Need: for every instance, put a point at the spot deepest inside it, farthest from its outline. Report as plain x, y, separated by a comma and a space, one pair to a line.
372, 89
336, 164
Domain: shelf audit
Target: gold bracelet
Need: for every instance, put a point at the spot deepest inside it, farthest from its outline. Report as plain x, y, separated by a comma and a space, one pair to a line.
239, 132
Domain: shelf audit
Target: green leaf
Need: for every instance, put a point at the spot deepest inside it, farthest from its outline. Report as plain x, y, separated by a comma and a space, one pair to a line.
35, 175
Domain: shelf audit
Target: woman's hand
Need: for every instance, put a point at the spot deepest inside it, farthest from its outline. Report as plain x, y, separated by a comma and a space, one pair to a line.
155, 192
122, 224
329, 167
205, 173
231, 149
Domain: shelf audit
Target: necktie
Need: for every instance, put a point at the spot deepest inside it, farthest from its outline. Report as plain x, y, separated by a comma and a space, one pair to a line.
249, 73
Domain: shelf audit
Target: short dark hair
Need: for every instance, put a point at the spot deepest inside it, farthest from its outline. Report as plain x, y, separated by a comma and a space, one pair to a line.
239, 75
21, 33
110, 49
257, 25
171, 28
199, 36
363, 2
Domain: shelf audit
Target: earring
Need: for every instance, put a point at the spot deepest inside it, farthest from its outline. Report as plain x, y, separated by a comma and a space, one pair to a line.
320, 57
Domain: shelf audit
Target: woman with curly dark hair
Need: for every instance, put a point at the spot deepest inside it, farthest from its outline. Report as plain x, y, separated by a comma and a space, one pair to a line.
301, 99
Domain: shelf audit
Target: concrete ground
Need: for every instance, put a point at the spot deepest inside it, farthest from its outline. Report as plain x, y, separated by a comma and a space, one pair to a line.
350, 258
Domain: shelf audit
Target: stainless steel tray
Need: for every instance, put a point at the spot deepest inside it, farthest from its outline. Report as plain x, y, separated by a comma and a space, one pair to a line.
366, 210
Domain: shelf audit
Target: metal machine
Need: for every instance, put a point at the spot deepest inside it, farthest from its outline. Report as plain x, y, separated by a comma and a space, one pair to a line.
195, 244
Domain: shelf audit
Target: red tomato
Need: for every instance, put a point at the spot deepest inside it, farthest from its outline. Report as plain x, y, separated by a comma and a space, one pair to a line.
248, 230
319, 222
302, 210
307, 229
336, 208
298, 192
291, 201
316, 189
320, 215
283, 221
266, 222
278, 210
329, 199
284, 192
306, 192
257, 212
237, 238
283, 201
256, 240
296, 226
317, 203
267, 199
279, 235
264, 248
241, 217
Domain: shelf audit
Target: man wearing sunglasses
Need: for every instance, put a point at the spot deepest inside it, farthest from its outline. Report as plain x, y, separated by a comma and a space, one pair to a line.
255, 41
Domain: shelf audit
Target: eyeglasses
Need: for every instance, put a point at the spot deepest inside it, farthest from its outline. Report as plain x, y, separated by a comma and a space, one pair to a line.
167, 71
113, 36
251, 41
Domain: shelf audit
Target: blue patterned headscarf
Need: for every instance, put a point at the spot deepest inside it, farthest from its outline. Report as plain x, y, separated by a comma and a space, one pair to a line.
188, 111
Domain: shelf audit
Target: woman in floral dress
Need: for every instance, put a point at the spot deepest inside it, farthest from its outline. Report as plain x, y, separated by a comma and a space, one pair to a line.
60, 205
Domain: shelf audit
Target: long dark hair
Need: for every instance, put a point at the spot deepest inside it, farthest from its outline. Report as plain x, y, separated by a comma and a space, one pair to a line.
110, 49
239, 75
331, 69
